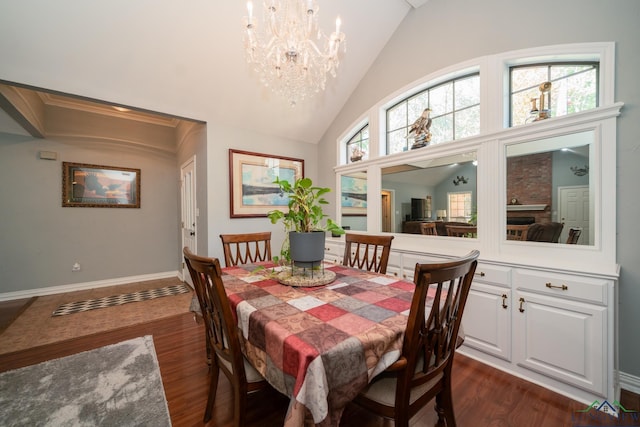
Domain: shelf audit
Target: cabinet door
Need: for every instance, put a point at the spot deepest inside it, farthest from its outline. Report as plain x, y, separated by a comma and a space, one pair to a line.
486, 320
562, 339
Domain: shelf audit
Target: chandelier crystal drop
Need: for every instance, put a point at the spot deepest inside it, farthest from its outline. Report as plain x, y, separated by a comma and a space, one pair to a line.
284, 48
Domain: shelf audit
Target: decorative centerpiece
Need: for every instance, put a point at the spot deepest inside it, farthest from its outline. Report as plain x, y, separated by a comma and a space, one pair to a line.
303, 246
419, 130
356, 154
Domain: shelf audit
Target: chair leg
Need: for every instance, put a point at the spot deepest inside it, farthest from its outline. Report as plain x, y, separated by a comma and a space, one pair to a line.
213, 388
444, 408
240, 407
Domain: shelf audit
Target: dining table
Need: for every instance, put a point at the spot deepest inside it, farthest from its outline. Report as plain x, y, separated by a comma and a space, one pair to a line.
319, 345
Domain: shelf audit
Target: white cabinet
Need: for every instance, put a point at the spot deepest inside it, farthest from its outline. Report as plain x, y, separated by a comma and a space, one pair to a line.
409, 261
333, 251
556, 328
394, 266
487, 314
560, 328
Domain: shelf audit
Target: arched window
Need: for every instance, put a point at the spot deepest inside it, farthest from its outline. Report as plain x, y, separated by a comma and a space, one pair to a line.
455, 113
562, 88
358, 145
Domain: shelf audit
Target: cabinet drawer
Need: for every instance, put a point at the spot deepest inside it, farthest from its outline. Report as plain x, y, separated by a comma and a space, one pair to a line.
493, 274
562, 285
409, 264
395, 260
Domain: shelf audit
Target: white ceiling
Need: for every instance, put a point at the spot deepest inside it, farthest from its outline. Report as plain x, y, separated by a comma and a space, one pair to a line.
367, 24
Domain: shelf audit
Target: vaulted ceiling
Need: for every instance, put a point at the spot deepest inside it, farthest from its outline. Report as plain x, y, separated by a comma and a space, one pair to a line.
237, 96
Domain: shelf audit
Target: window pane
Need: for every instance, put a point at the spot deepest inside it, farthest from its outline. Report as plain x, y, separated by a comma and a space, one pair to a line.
467, 92
416, 106
521, 105
527, 77
560, 71
441, 99
574, 88
460, 206
467, 122
397, 117
581, 90
442, 129
397, 141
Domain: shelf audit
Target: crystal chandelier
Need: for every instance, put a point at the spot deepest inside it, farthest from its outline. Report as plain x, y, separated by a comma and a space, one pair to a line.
286, 53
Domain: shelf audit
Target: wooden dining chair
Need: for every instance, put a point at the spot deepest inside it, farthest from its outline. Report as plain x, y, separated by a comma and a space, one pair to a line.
222, 337
548, 232
367, 252
462, 230
574, 235
246, 248
428, 228
423, 370
517, 232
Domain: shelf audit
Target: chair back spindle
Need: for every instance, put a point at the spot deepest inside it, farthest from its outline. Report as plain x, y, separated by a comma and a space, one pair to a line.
247, 248
367, 252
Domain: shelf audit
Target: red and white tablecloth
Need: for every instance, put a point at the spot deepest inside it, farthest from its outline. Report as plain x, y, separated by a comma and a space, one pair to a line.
320, 345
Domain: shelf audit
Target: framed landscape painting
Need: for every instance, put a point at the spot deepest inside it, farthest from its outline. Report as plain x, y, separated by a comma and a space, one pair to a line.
353, 194
251, 177
95, 186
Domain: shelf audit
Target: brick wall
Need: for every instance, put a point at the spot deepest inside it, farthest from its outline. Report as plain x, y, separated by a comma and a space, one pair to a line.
529, 181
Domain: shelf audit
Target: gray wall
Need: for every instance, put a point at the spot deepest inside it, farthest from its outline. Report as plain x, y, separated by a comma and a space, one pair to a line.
445, 32
41, 240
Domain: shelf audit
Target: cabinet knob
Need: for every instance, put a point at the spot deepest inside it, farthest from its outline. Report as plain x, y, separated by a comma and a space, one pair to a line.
504, 300
521, 305
481, 274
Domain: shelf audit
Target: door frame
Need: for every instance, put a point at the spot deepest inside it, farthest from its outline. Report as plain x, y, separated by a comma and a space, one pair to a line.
188, 207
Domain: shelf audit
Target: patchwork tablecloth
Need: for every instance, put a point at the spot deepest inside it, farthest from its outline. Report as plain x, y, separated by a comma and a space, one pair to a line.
320, 345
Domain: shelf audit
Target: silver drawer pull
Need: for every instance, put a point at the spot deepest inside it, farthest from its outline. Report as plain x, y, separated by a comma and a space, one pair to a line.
563, 287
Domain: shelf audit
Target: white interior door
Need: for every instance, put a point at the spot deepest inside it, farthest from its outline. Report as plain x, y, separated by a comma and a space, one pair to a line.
189, 211
574, 211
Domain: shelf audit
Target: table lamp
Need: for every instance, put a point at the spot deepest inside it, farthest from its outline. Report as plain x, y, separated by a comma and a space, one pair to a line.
441, 213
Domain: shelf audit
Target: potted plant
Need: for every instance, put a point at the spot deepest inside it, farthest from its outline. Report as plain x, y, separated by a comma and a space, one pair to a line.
303, 222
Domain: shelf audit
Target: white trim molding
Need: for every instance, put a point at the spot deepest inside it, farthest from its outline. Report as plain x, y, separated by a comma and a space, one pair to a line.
630, 382
28, 293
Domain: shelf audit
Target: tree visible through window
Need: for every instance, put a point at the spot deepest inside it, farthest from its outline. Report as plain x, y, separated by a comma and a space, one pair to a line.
460, 206
574, 88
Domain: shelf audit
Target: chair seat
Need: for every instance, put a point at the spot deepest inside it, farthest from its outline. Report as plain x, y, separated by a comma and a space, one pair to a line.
383, 389
253, 376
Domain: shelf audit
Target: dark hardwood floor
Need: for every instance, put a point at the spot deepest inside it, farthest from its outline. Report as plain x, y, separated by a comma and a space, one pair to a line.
483, 396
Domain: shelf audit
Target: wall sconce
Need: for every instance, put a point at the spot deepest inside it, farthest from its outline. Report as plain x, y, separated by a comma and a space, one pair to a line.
580, 171
441, 214
545, 102
460, 180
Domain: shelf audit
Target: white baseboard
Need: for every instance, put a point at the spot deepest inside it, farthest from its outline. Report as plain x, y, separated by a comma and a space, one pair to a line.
7, 296
630, 383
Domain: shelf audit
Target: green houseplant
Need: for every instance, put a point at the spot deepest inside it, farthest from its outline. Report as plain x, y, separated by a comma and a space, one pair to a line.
303, 222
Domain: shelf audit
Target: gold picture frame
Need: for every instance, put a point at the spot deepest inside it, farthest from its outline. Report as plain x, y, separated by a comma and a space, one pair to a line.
251, 188
95, 186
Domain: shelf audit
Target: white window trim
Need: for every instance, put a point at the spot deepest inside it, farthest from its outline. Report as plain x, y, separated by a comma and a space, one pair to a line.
494, 80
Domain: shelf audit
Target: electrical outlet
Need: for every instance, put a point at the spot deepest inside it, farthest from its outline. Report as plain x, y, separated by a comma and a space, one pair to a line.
76, 267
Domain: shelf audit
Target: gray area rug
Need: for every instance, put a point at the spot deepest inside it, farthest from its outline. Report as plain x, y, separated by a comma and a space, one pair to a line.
116, 385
